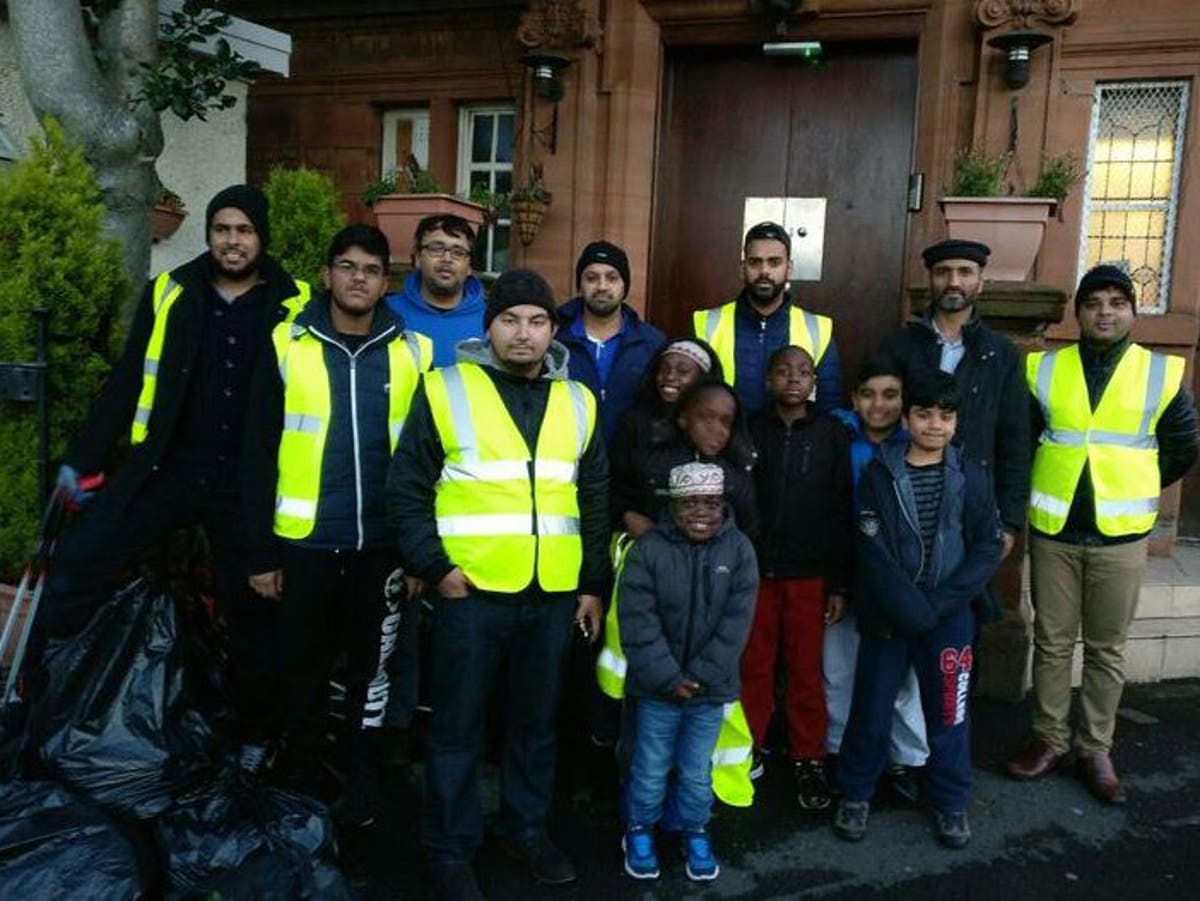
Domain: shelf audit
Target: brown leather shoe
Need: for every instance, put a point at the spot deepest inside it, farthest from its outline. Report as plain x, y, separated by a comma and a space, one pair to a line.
1096, 771
1033, 759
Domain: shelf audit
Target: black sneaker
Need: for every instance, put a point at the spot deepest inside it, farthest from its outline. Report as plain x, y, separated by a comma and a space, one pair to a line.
953, 830
756, 764
850, 822
811, 788
546, 863
454, 881
905, 782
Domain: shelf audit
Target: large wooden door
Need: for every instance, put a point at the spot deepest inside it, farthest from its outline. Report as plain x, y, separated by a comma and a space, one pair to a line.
735, 125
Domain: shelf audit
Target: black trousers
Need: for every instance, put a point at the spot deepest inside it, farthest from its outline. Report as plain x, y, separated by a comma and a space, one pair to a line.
115, 529
334, 601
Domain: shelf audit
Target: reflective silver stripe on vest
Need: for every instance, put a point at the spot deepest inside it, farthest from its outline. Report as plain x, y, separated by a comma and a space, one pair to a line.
579, 402
150, 367
170, 287
1044, 374
504, 524
1047, 504
610, 662
1072, 438
296, 507
300, 422
142, 415
460, 411
711, 319
813, 324
730, 756
414, 348
509, 470
1135, 507
1154, 389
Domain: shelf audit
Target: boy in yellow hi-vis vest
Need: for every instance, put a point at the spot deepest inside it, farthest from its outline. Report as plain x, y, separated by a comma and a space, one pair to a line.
687, 596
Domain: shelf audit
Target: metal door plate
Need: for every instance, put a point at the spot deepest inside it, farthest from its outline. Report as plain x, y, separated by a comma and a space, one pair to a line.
804, 219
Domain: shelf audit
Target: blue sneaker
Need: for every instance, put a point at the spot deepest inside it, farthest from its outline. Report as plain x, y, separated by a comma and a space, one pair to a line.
700, 863
640, 860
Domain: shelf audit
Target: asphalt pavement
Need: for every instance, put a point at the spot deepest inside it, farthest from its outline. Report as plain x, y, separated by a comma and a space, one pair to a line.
1046, 839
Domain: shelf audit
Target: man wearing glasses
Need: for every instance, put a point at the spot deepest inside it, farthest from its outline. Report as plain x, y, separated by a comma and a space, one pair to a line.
330, 397
441, 298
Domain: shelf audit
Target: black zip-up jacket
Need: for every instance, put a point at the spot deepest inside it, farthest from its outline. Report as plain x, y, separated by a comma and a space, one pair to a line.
350, 506
805, 495
111, 415
1176, 432
417, 465
993, 409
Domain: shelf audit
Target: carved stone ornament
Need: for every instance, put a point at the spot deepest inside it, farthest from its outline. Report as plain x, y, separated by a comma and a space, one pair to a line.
558, 24
1025, 13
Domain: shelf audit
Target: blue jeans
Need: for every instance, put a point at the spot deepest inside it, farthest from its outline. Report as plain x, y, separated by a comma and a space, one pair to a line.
474, 640
943, 659
680, 737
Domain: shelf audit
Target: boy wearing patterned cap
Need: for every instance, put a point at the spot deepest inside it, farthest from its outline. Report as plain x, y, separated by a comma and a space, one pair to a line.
687, 596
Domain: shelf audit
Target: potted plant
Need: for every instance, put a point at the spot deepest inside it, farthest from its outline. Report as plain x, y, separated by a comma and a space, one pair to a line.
978, 206
404, 197
168, 214
494, 203
528, 204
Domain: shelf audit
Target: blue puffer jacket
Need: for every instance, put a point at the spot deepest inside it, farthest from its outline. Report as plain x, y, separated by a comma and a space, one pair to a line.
639, 342
890, 556
862, 448
445, 328
685, 611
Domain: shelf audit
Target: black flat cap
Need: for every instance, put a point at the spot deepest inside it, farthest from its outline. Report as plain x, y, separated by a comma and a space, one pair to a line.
955, 249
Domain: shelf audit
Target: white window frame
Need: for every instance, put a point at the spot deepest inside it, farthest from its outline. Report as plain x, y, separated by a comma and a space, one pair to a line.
419, 117
466, 116
1172, 202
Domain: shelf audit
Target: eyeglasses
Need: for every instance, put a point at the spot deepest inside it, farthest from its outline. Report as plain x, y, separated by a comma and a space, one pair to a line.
441, 251
348, 269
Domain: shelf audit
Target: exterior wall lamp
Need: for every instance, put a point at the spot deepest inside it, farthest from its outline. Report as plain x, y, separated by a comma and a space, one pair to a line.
1018, 46
547, 84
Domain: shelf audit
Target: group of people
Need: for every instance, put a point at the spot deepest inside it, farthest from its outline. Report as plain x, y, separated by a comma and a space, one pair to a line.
700, 512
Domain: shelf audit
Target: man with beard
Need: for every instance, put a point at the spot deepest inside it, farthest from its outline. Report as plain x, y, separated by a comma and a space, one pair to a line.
440, 297
993, 413
763, 318
610, 345
1116, 425
179, 391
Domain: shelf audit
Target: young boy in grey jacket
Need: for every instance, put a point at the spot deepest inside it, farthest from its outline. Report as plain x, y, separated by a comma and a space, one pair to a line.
687, 598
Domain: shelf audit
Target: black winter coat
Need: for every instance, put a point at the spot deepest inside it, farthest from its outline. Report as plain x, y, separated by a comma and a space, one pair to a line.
993, 411
804, 497
685, 610
112, 413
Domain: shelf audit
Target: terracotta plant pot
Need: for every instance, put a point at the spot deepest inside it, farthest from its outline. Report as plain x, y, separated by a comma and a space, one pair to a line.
397, 216
1013, 227
527, 216
165, 221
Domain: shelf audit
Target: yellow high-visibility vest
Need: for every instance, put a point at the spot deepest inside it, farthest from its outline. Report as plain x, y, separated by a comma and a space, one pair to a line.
717, 326
1116, 441
166, 292
505, 515
732, 756
307, 411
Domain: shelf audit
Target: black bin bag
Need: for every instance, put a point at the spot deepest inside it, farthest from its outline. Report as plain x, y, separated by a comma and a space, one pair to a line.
55, 845
115, 721
242, 839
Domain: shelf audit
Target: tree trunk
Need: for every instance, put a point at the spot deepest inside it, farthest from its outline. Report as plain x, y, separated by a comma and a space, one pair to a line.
87, 82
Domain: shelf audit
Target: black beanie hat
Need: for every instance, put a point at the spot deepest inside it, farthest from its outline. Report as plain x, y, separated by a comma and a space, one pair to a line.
250, 200
1105, 276
516, 287
956, 249
603, 252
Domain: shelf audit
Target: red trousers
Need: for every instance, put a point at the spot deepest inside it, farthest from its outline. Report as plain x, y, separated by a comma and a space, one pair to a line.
789, 613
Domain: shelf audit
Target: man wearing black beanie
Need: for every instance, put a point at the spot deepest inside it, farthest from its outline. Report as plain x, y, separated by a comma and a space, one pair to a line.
609, 343
179, 394
498, 494
1117, 425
